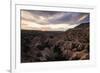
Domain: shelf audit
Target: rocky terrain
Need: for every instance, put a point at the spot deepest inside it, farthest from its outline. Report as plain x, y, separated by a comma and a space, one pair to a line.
43, 46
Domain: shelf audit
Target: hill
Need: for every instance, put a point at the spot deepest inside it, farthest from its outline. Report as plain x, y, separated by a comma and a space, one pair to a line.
42, 46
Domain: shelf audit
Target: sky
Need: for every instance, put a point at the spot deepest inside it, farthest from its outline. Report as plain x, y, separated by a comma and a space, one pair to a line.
51, 20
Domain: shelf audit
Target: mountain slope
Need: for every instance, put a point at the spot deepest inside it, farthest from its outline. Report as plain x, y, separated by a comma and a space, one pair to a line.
40, 46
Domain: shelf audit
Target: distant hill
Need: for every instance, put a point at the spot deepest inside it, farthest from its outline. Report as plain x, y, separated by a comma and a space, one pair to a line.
83, 25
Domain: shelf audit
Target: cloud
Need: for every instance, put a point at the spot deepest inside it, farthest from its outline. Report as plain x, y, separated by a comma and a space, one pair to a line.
27, 25
68, 17
28, 16
51, 20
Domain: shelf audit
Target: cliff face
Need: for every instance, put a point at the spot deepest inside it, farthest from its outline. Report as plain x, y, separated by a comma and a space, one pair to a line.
40, 46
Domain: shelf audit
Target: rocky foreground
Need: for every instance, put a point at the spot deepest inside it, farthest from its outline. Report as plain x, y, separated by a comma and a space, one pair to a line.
42, 46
